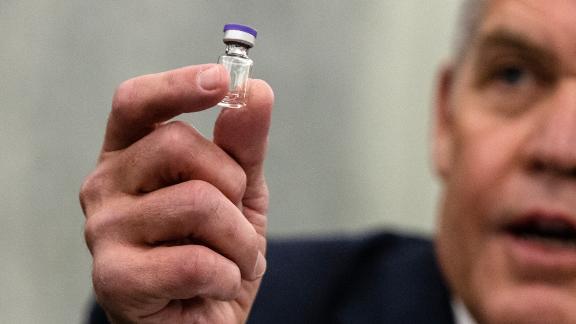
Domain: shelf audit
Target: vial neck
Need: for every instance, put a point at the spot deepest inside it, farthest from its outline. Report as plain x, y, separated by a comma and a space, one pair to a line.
236, 49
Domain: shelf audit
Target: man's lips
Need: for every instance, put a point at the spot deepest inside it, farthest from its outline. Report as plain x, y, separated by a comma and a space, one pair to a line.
542, 243
545, 228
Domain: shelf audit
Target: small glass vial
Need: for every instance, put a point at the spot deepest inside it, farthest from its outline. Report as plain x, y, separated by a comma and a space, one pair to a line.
238, 39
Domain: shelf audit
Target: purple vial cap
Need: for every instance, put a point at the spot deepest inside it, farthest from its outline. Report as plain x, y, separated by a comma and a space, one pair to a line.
243, 28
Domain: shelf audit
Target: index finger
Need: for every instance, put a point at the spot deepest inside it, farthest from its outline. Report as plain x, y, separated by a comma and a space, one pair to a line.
141, 103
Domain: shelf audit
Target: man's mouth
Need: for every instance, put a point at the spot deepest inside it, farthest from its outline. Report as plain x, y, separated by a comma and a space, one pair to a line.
548, 231
542, 244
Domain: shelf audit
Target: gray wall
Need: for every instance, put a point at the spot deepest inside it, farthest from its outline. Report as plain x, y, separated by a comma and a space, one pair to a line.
349, 147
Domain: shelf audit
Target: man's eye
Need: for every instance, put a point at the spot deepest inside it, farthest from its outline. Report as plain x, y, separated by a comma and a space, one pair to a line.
511, 75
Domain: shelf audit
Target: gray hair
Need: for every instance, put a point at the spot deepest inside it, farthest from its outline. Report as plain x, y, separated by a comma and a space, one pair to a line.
471, 14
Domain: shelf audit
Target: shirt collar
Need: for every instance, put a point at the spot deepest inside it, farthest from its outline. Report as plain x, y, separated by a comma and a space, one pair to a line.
461, 313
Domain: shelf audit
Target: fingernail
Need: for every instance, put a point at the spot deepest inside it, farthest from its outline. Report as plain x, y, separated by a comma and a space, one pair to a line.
209, 79
260, 266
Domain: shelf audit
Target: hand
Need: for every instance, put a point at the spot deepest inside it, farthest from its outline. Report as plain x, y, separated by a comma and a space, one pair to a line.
175, 222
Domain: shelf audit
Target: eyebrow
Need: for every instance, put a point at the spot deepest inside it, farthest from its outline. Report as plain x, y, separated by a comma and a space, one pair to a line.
507, 39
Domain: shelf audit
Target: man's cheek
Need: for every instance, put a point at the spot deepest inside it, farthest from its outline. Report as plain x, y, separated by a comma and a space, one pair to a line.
482, 162
475, 190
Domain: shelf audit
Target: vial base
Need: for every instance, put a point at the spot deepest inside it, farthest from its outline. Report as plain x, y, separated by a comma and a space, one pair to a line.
232, 100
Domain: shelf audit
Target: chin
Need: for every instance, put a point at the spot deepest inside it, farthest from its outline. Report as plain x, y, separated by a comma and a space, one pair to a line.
526, 304
496, 292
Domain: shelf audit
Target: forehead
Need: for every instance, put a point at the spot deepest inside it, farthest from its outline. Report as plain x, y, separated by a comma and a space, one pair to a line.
547, 23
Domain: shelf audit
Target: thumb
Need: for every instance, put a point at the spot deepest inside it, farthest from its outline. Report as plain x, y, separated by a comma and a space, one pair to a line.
243, 134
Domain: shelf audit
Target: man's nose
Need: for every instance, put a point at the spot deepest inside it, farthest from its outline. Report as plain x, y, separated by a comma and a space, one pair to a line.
552, 148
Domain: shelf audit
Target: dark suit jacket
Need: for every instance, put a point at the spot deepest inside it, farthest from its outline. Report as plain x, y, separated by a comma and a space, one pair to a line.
382, 278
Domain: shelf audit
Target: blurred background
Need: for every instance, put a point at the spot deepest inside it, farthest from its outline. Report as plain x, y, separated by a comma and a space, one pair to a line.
349, 142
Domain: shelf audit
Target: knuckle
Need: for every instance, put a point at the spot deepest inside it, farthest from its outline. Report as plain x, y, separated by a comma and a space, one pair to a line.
101, 275
111, 278
194, 271
235, 285
198, 265
113, 224
253, 241
91, 230
238, 186
95, 229
206, 195
252, 249
205, 266
230, 233
87, 194
174, 136
92, 190
123, 99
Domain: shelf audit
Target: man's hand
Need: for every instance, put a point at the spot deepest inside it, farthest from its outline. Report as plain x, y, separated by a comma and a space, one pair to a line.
175, 222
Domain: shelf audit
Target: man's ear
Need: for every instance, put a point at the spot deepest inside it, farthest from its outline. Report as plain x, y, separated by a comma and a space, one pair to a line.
443, 132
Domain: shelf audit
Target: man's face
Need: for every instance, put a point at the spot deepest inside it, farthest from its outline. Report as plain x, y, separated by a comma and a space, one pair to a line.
505, 146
